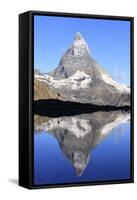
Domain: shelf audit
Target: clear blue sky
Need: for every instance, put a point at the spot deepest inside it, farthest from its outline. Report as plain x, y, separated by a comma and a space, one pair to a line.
108, 40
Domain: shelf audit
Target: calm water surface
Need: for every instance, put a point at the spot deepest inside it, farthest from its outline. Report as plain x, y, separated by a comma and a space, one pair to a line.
82, 148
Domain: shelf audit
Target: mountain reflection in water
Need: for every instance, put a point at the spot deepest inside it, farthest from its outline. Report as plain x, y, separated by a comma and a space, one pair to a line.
79, 135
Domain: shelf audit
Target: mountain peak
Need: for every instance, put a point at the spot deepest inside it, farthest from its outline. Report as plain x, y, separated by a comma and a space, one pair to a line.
79, 40
79, 45
78, 36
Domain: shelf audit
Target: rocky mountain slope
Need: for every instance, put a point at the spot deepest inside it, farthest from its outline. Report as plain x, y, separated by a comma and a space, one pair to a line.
43, 91
80, 78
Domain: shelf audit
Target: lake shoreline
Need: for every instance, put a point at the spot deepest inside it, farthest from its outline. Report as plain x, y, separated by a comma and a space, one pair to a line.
55, 107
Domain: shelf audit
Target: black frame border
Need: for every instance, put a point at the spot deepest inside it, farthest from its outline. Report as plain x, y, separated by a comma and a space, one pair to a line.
31, 15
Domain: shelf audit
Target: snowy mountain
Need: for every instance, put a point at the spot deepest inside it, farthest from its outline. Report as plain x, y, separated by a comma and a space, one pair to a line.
80, 78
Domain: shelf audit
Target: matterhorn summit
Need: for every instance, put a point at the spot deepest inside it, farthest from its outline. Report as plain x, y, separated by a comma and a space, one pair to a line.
75, 58
79, 45
79, 78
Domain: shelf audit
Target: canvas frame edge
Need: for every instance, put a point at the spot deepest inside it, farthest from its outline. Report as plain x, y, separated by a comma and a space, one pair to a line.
30, 85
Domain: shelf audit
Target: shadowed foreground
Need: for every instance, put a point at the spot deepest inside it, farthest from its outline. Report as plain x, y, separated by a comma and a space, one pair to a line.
56, 108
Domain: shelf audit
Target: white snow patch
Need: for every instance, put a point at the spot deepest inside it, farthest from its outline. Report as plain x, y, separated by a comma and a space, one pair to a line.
86, 83
79, 74
110, 81
82, 127
77, 127
79, 80
122, 118
73, 81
